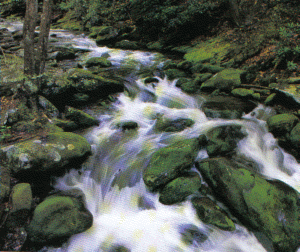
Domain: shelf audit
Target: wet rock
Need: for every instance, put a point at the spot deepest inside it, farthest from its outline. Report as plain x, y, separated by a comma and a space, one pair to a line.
98, 61
170, 162
82, 119
210, 213
127, 45
63, 53
191, 233
51, 153
225, 80
280, 125
119, 248
57, 218
223, 139
164, 124
127, 125
180, 188
269, 206
149, 80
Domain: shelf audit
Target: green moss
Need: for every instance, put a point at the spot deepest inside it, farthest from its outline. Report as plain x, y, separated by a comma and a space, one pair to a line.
102, 30
52, 153
269, 206
270, 99
58, 217
225, 80
174, 74
242, 92
21, 197
223, 139
157, 46
164, 124
281, 124
126, 44
210, 213
169, 162
214, 50
98, 61
200, 78
295, 136
179, 189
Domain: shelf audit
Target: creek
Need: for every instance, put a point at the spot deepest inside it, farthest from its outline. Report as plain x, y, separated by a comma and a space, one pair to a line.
125, 213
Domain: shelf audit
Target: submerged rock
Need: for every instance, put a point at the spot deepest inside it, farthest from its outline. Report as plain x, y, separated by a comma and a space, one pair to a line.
210, 213
180, 188
271, 207
170, 162
57, 218
50, 153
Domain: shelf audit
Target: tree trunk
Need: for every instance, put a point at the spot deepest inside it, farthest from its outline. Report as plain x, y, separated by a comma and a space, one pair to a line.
43, 37
28, 35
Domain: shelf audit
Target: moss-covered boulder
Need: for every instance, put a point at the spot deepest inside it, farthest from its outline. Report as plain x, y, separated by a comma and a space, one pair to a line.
179, 189
170, 162
213, 50
21, 200
210, 213
294, 137
98, 61
223, 139
282, 124
188, 85
127, 44
57, 218
173, 74
50, 153
94, 85
66, 125
80, 118
164, 124
225, 80
242, 93
269, 206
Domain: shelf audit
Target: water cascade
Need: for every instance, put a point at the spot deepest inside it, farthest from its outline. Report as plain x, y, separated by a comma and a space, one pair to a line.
125, 213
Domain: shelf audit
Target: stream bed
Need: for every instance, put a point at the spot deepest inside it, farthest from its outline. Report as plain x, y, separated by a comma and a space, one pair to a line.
128, 216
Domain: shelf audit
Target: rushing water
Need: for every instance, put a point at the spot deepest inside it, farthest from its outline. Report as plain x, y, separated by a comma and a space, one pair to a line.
125, 213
